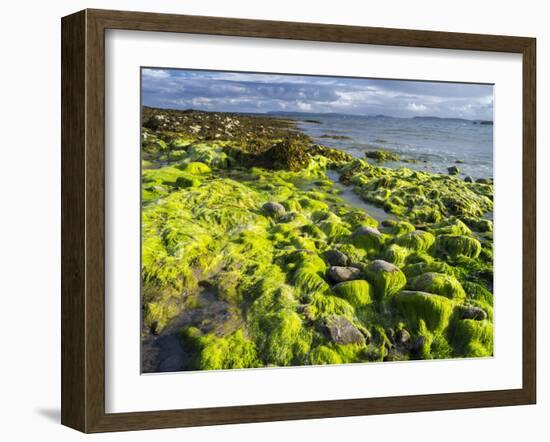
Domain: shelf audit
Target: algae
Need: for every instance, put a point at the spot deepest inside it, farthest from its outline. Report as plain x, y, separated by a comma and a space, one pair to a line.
243, 205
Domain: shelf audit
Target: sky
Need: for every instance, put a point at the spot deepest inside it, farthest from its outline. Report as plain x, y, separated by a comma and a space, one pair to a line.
260, 93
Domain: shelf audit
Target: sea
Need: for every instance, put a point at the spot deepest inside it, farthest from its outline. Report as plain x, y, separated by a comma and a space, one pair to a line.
433, 144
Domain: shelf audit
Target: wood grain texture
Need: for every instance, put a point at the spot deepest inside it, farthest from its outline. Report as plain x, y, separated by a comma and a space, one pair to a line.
73, 253
83, 219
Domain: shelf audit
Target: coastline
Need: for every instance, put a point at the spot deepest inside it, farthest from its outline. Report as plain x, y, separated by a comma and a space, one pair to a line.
262, 259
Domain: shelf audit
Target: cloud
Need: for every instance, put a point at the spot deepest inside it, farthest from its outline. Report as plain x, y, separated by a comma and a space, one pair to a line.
252, 92
155, 73
413, 107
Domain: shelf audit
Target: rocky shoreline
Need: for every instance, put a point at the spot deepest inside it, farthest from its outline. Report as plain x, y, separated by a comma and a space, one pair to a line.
242, 207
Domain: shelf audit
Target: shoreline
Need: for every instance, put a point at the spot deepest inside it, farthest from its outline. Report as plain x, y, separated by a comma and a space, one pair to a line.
249, 207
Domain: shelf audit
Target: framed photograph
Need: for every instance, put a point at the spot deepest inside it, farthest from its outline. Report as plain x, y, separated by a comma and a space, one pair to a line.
266, 221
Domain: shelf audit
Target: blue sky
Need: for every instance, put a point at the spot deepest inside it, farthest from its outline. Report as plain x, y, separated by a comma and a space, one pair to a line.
258, 93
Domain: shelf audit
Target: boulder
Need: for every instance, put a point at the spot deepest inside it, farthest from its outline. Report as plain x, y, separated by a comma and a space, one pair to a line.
419, 240
367, 238
458, 245
453, 170
358, 293
438, 283
336, 258
341, 331
472, 312
386, 278
483, 181
338, 274
468, 179
273, 209
434, 310
402, 336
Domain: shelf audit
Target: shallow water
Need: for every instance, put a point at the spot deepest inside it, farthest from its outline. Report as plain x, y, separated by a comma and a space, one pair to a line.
165, 352
347, 194
434, 143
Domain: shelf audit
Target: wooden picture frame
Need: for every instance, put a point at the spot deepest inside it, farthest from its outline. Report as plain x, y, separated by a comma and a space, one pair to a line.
83, 220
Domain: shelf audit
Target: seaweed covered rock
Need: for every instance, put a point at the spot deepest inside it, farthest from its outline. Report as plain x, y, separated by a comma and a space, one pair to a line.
472, 312
336, 258
386, 278
341, 331
396, 254
367, 238
290, 153
382, 155
196, 168
419, 240
472, 338
358, 293
309, 273
395, 227
340, 274
451, 226
217, 353
438, 283
458, 245
273, 209
453, 170
433, 310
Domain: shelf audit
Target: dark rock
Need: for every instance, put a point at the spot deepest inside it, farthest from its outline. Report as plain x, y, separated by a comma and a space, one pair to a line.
340, 274
453, 170
469, 179
341, 331
273, 209
367, 230
483, 181
336, 258
402, 336
380, 265
459, 162
472, 312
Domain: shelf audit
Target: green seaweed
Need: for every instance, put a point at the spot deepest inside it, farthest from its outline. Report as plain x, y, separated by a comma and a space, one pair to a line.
438, 283
386, 278
358, 293
455, 246
434, 310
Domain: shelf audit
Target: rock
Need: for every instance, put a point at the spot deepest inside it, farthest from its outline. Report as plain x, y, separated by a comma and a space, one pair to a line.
434, 310
483, 181
402, 336
382, 155
459, 162
196, 168
439, 284
386, 278
468, 179
341, 331
457, 245
367, 238
453, 170
336, 258
358, 293
472, 312
273, 209
418, 240
340, 274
